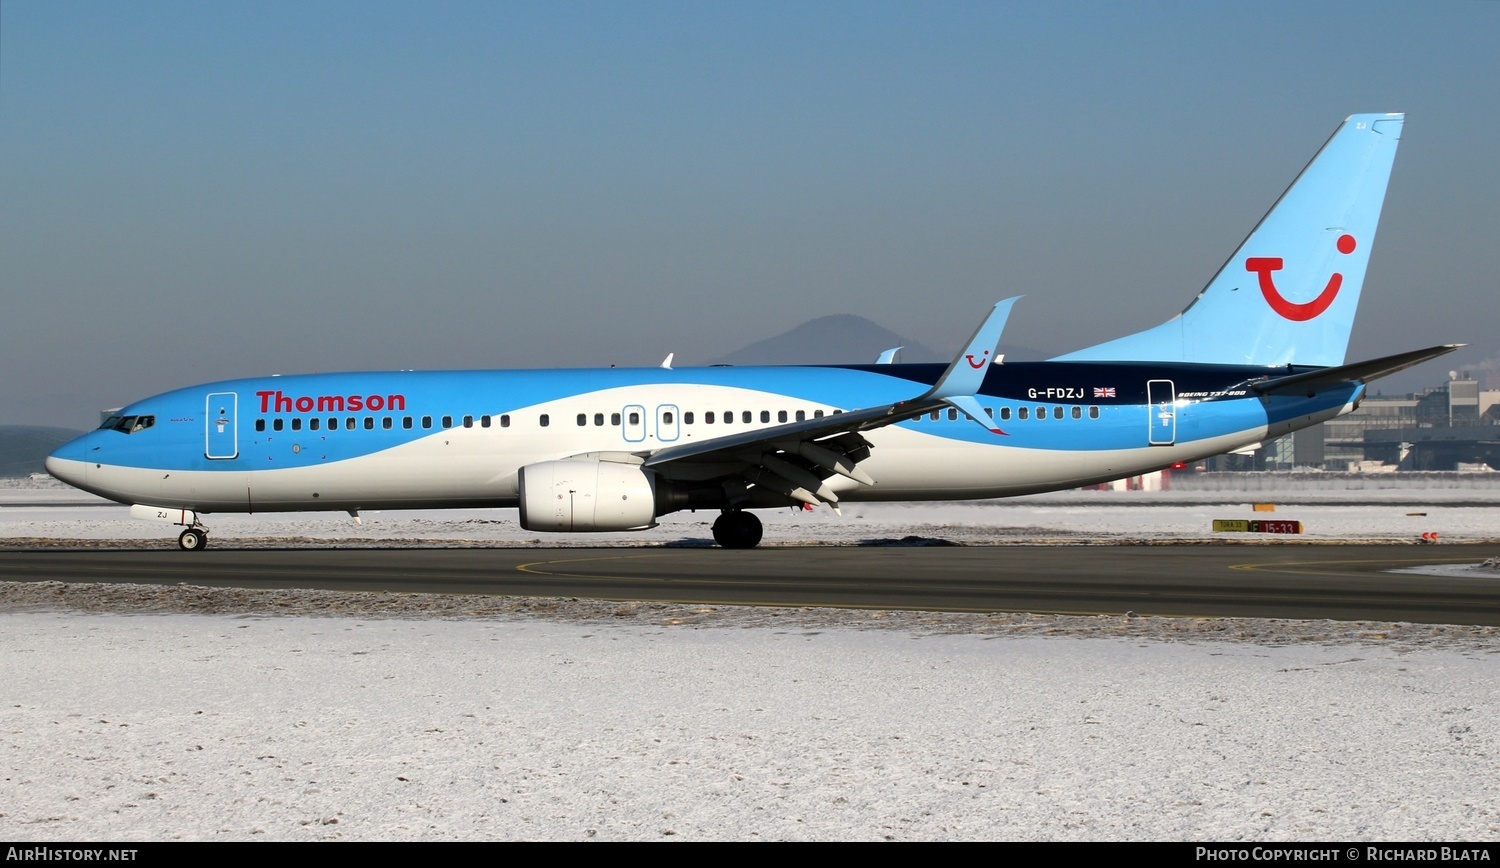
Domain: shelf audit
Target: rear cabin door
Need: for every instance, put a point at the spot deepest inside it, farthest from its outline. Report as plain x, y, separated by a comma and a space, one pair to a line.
219, 437
1162, 405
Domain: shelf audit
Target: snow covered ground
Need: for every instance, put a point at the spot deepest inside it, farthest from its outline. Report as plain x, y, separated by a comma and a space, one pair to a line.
307, 715
295, 728
46, 511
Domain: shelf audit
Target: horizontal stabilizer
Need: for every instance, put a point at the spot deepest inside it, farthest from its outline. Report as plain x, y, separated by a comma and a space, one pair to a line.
1359, 372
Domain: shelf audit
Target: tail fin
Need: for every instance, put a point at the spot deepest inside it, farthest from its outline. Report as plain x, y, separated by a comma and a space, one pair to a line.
1289, 293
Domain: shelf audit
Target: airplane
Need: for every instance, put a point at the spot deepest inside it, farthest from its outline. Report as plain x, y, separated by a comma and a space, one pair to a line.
1258, 353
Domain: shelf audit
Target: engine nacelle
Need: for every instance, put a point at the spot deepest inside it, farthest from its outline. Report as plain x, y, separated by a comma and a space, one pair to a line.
580, 495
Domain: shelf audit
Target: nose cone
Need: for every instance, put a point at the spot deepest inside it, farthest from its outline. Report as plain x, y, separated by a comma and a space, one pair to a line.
67, 464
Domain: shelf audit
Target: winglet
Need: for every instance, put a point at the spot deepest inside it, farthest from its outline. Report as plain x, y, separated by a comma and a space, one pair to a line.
966, 374
889, 356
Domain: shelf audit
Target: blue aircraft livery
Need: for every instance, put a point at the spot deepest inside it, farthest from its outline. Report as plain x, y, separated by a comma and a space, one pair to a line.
1259, 353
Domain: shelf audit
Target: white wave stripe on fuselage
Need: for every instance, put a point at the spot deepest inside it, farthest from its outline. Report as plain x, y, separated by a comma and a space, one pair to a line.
477, 467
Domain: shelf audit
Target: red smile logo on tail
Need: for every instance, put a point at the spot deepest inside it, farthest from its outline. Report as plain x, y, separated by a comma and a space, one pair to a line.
1264, 265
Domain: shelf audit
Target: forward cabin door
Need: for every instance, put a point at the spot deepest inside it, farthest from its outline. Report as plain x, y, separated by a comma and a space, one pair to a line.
667, 423
634, 423
1162, 405
219, 437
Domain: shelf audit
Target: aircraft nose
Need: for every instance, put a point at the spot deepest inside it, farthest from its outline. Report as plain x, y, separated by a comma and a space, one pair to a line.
66, 462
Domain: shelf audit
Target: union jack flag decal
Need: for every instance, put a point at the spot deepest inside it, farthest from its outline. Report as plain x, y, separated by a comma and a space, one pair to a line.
1104, 391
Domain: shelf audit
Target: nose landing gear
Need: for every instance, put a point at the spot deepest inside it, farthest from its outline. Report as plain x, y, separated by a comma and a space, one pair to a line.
193, 539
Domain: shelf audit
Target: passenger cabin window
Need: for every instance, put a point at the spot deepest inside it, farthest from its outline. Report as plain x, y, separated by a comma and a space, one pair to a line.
1077, 412
505, 421
1021, 413
614, 419
277, 424
312, 424
468, 421
484, 421
687, 418
260, 424
708, 417
1093, 412
746, 417
583, 420
1004, 414
598, 420
447, 421
546, 420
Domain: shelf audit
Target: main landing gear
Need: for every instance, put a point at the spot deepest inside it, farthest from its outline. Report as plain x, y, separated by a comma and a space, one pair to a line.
193, 539
737, 529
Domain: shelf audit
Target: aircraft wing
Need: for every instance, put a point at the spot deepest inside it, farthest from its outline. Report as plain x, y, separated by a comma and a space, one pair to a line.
1312, 382
794, 459
796, 432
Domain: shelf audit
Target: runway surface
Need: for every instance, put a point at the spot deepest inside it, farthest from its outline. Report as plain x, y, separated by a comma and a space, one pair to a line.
1339, 582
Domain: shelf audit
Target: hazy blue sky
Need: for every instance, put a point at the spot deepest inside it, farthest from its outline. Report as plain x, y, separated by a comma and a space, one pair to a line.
193, 191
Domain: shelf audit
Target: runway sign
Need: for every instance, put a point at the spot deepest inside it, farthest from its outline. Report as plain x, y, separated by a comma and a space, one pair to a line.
1241, 525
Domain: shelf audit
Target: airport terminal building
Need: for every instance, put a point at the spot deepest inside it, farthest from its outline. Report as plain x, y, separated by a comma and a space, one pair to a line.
1451, 427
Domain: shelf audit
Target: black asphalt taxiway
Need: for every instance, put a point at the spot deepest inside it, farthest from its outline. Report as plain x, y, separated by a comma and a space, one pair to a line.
1339, 582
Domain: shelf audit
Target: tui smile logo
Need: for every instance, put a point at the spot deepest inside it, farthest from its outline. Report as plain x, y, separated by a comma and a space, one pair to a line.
985, 357
1262, 266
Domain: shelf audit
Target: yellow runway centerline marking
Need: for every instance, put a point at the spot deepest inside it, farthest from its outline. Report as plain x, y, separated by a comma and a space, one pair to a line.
532, 567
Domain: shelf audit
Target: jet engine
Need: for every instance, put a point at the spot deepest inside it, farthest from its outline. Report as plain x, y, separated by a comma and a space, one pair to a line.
580, 495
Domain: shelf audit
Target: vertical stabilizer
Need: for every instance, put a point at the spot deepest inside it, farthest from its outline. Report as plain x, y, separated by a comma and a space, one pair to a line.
1289, 293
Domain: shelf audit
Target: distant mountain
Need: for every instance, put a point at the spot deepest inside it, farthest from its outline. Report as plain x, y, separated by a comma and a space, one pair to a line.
829, 340
844, 339
24, 448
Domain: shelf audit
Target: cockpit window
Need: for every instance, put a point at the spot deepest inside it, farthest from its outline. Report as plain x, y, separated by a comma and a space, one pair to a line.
128, 424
